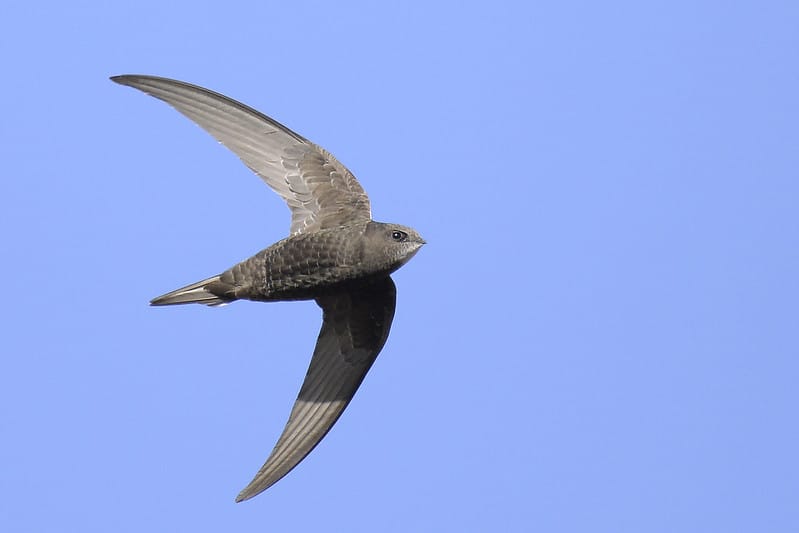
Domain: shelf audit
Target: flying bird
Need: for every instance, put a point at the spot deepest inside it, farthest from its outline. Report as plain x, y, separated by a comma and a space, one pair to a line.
335, 254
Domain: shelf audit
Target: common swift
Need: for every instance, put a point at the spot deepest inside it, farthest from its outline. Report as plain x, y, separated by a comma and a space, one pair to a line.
335, 254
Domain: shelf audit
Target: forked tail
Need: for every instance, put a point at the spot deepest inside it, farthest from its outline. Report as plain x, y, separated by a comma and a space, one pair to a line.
203, 292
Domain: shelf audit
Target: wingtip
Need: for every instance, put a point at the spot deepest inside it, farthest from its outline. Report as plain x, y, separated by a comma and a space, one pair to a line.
247, 493
258, 485
131, 79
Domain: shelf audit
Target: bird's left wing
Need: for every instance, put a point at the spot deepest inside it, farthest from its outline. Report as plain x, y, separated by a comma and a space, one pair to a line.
319, 190
355, 326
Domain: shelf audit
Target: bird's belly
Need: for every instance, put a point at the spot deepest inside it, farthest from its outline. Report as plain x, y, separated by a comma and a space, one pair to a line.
312, 281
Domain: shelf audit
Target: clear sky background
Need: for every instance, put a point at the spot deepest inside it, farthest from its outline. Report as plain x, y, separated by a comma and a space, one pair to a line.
601, 334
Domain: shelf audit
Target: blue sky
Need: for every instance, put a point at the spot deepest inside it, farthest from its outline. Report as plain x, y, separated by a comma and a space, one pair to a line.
601, 334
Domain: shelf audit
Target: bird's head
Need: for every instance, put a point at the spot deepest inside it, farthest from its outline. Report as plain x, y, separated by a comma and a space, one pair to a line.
391, 245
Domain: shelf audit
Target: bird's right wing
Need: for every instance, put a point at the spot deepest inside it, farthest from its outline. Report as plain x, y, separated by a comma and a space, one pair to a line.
355, 326
320, 191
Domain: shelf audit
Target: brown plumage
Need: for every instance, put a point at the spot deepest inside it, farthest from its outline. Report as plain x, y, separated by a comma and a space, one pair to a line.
335, 254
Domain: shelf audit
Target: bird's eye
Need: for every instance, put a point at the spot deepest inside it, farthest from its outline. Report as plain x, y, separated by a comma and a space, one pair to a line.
399, 236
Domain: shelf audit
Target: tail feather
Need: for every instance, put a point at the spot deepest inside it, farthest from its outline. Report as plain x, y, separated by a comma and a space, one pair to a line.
196, 293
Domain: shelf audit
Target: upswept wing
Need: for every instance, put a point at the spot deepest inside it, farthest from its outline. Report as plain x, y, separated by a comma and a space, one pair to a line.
355, 326
319, 190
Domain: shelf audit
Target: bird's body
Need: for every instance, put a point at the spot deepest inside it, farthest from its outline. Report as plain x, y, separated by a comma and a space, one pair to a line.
335, 254
300, 267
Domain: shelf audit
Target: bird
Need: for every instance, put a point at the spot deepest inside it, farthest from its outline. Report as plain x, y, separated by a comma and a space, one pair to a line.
335, 254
